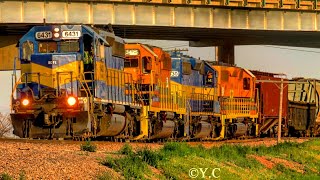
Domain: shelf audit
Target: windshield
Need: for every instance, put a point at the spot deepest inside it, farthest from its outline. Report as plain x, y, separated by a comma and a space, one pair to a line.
134, 62
69, 46
48, 47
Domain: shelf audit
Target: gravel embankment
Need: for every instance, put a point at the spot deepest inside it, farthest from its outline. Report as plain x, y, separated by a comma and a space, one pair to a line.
55, 159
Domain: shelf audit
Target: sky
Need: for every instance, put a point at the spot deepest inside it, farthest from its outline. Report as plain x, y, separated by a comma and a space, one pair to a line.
293, 61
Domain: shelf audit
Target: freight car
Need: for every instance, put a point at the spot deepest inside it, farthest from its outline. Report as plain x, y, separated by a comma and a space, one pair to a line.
303, 109
268, 94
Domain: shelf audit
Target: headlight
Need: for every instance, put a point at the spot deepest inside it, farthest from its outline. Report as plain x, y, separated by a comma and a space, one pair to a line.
25, 102
56, 35
71, 101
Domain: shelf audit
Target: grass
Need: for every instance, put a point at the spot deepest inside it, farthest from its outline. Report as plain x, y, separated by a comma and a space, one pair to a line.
5, 176
126, 150
87, 146
22, 175
131, 166
106, 176
174, 161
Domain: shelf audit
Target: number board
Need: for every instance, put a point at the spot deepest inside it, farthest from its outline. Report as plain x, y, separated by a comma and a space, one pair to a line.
44, 35
175, 73
71, 34
132, 52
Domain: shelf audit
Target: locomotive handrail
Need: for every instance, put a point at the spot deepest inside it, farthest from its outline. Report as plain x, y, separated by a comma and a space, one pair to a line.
58, 81
89, 98
244, 106
123, 80
200, 99
139, 95
83, 80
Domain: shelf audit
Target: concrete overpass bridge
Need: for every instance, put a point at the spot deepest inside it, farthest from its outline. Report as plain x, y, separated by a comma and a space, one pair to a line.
222, 23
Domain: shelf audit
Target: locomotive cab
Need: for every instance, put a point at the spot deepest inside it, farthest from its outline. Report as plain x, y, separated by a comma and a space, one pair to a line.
143, 63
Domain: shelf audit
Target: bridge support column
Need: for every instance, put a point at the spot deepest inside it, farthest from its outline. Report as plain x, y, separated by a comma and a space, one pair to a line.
8, 51
225, 53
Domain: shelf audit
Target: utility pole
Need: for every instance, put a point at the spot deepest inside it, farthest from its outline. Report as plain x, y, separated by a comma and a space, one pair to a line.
280, 111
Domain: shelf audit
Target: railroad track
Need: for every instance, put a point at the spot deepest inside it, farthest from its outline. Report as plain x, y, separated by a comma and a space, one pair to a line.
230, 141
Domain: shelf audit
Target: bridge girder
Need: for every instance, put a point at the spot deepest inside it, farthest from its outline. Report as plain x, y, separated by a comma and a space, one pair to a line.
159, 14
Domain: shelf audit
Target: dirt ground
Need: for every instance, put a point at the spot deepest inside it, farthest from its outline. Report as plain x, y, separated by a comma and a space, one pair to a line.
41, 159
55, 159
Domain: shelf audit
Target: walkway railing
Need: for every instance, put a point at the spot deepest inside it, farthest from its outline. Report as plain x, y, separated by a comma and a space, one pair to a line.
238, 106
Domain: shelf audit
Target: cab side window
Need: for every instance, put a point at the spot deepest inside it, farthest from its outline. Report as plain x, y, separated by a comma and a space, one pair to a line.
27, 50
146, 64
186, 68
246, 83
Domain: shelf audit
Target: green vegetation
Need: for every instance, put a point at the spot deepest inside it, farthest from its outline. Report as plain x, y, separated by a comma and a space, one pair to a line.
106, 176
287, 160
126, 149
87, 146
22, 175
5, 176
132, 166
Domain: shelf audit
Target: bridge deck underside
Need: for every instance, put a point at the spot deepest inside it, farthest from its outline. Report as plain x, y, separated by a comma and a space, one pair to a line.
200, 36
157, 15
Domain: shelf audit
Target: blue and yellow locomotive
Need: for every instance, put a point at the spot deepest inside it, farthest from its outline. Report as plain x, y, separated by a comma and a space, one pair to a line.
73, 85
199, 82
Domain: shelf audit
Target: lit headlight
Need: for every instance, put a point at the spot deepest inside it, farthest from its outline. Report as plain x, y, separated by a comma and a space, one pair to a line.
25, 102
71, 101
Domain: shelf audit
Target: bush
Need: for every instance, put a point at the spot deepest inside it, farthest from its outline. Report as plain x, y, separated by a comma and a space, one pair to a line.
126, 150
150, 157
5, 176
88, 147
131, 166
110, 162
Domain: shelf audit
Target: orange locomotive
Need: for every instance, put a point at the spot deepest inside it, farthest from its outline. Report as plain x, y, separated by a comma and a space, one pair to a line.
239, 111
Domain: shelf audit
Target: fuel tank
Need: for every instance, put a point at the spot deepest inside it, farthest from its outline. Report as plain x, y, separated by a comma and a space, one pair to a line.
203, 130
240, 129
163, 129
112, 125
